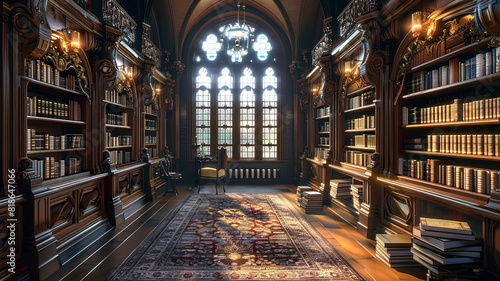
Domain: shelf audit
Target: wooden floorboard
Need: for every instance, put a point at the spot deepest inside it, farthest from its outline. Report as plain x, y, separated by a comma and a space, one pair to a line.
100, 259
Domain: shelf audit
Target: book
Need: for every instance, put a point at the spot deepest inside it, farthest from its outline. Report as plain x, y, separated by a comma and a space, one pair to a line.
445, 244
438, 234
434, 258
442, 225
393, 240
467, 251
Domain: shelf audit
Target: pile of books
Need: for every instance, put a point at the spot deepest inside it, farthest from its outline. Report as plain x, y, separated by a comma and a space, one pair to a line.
312, 201
356, 192
340, 188
300, 192
442, 245
394, 250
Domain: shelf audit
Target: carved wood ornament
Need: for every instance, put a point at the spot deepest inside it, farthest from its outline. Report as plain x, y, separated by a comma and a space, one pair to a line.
463, 27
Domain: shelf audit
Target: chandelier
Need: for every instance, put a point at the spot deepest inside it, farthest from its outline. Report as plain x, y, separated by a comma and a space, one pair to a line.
237, 37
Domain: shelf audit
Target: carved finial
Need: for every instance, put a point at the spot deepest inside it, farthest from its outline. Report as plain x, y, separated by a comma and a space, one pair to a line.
179, 68
107, 165
145, 156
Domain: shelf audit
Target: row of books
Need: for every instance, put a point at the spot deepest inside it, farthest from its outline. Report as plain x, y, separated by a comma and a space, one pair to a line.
363, 140
152, 151
487, 144
321, 153
324, 140
119, 98
481, 109
425, 80
457, 111
324, 127
150, 139
361, 100
322, 111
365, 122
445, 246
151, 109
446, 173
120, 157
357, 196
479, 65
150, 123
117, 119
51, 142
40, 107
48, 167
358, 158
112, 141
41, 71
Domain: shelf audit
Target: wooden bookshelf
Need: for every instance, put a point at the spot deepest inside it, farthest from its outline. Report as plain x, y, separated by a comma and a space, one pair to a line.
360, 130
120, 109
56, 120
119, 147
42, 151
54, 110
119, 126
454, 155
454, 87
484, 122
372, 149
369, 107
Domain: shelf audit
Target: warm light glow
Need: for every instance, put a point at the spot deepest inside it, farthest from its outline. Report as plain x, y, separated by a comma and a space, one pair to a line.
75, 39
129, 72
416, 22
348, 69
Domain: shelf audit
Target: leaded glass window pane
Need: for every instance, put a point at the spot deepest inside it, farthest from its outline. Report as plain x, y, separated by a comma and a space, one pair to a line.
202, 101
225, 111
211, 46
270, 115
262, 47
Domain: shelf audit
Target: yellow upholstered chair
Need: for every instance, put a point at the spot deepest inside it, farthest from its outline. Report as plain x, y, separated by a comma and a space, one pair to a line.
215, 174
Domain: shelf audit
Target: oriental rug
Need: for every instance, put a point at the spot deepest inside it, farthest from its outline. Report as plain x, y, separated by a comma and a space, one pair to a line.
235, 237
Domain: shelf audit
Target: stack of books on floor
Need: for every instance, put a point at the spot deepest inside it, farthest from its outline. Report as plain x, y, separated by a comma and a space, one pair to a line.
340, 188
356, 192
445, 246
312, 202
394, 250
300, 192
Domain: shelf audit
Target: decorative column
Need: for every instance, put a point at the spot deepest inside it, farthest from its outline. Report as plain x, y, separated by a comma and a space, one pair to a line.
179, 68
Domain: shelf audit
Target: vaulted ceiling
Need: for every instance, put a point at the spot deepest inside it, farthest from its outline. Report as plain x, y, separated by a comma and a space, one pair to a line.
299, 20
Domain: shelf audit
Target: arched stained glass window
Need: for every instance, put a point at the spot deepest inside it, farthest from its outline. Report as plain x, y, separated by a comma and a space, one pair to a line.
236, 101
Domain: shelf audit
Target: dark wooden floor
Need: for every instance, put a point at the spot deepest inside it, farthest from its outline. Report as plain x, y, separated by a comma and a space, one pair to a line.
98, 260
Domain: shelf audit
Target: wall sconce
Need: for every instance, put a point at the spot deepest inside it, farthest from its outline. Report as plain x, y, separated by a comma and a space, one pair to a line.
75, 39
157, 91
351, 68
416, 24
130, 72
348, 68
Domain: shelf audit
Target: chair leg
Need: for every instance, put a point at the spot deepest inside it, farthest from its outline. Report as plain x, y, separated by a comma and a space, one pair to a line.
199, 187
216, 188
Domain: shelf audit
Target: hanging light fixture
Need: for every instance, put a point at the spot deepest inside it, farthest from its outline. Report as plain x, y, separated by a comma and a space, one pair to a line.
237, 37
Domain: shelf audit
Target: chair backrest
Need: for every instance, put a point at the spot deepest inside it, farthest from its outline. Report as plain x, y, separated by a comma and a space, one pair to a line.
221, 158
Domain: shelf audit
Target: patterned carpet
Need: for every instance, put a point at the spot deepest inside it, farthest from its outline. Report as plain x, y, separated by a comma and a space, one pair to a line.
235, 237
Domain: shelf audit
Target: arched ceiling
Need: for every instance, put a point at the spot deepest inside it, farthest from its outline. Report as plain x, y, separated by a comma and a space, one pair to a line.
184, 16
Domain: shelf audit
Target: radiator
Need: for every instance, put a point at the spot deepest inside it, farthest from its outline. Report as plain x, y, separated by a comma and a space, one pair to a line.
253, 173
